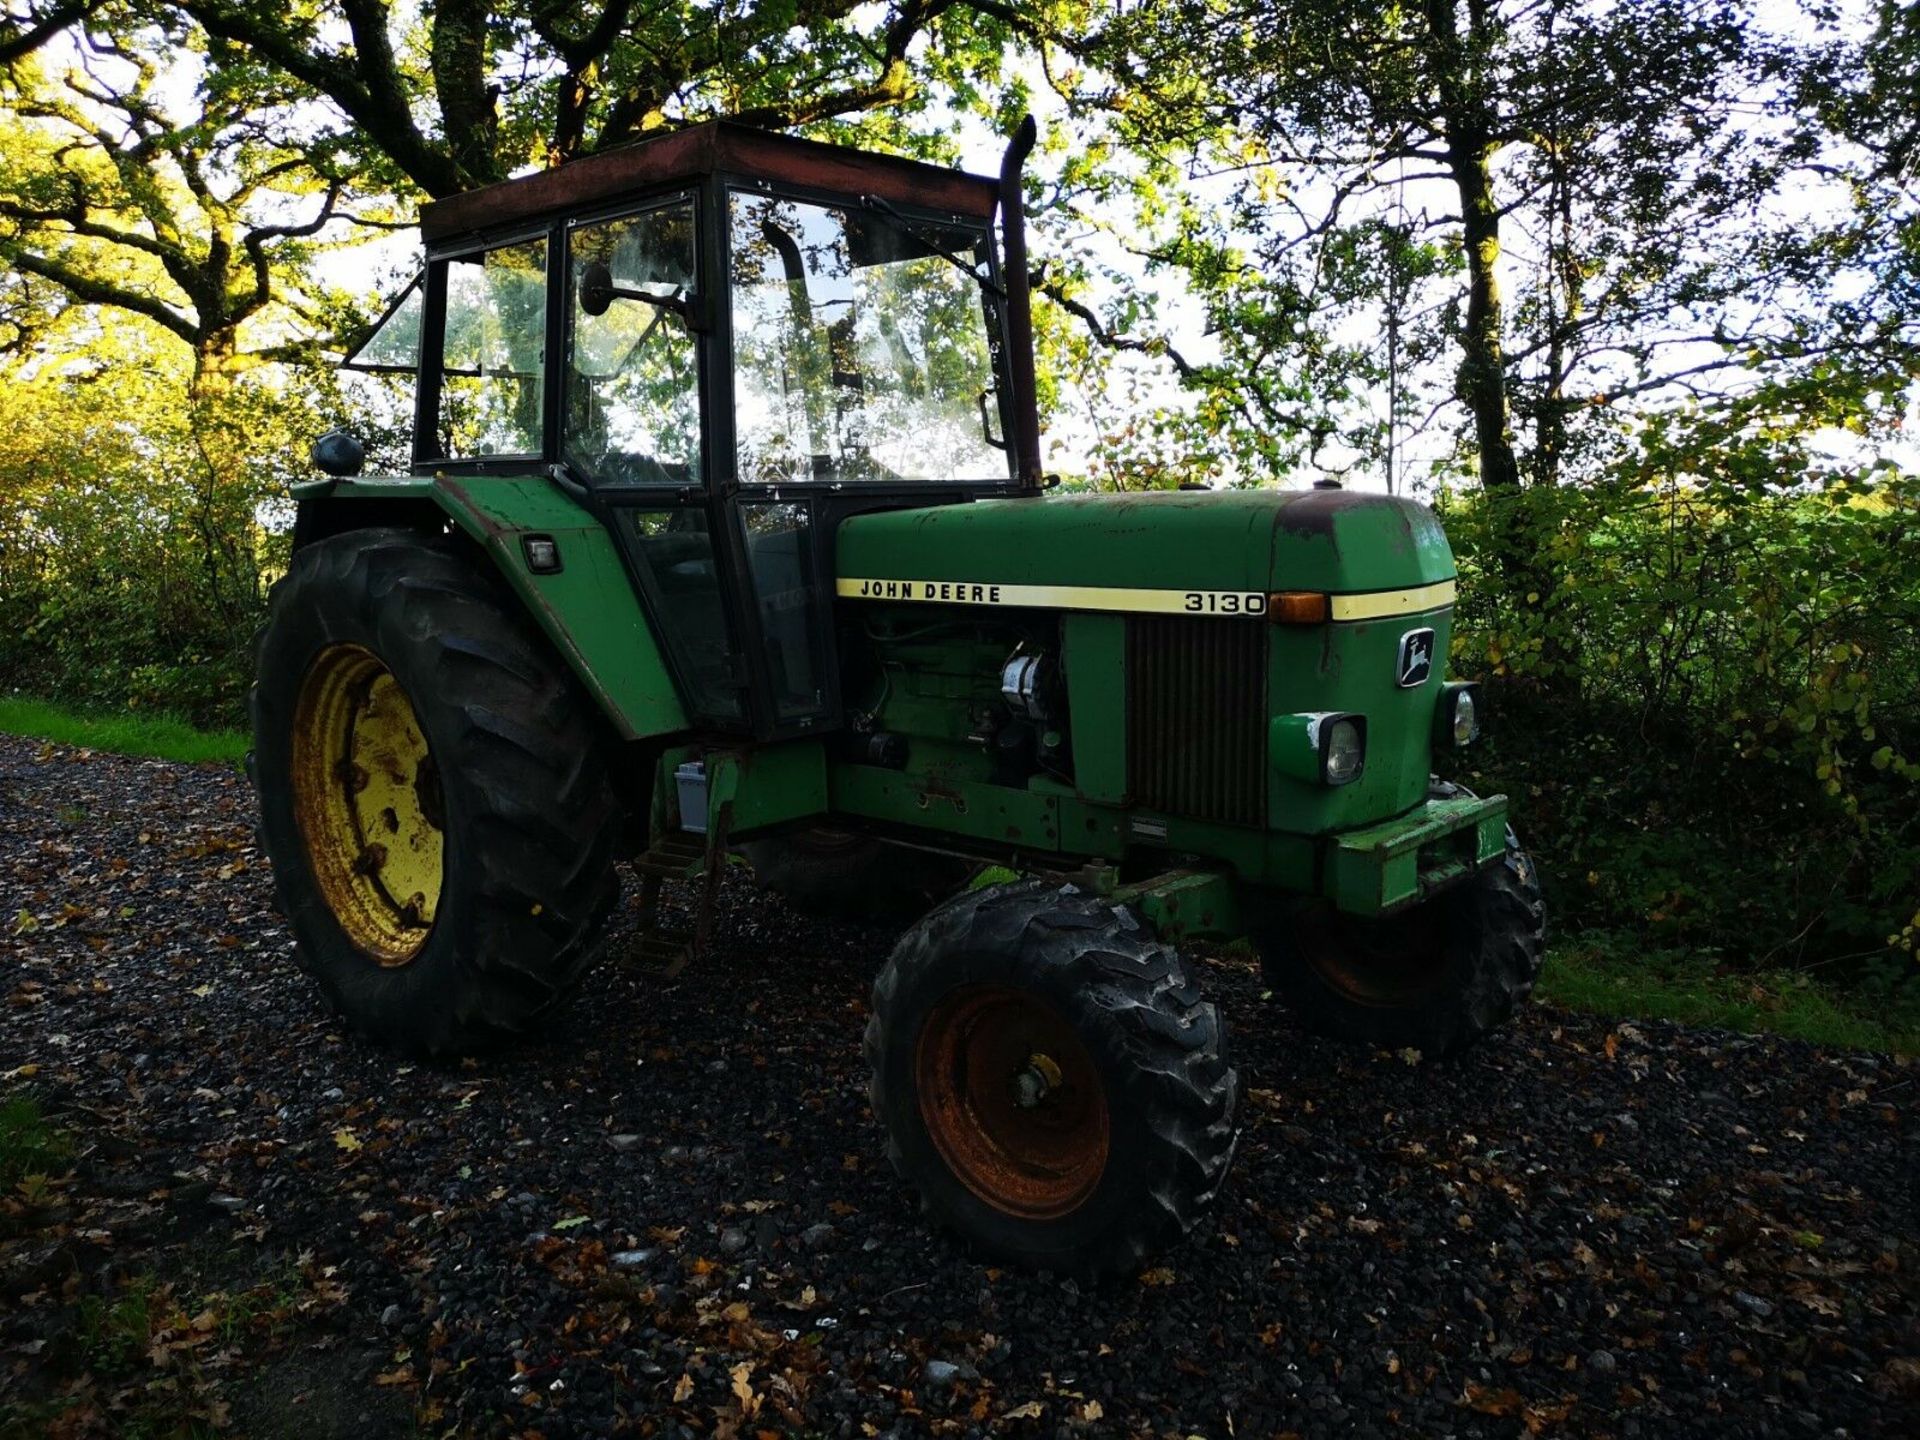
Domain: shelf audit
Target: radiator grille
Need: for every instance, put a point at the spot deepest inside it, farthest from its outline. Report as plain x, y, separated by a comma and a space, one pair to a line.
1197, 717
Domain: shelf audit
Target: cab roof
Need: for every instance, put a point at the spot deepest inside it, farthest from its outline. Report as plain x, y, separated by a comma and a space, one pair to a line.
699, 151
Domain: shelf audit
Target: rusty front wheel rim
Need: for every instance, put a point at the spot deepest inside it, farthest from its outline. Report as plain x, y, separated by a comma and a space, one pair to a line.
1381, 964
367, 800
1012, 1101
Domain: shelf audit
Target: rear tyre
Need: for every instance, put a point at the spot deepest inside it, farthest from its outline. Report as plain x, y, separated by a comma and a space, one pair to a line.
835, 874
1050, 1079
1435, 978
432, 794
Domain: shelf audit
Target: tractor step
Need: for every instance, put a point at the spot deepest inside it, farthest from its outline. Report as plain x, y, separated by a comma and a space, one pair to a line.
676, 855
662, 954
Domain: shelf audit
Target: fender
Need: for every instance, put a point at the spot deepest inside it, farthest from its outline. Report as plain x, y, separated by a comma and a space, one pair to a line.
588, 608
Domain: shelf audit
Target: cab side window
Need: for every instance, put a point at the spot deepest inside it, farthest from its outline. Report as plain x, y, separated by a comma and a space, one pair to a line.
494, 358
633, 380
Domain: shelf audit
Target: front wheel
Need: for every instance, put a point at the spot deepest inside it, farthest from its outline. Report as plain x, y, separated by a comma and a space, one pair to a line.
1434, 978
1050, 1078
432, 794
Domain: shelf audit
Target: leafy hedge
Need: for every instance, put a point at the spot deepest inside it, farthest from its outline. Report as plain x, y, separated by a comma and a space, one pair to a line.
131, 567
1706, 701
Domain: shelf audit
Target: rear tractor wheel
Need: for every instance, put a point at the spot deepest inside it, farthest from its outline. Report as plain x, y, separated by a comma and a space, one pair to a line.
432, 794
1050, 1078
1435, 978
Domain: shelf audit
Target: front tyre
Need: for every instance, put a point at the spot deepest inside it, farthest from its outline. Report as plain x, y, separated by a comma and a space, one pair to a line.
1050, 1078
432, 794
1435, 978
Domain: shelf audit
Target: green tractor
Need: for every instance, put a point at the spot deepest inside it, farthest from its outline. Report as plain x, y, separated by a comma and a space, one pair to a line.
726, 535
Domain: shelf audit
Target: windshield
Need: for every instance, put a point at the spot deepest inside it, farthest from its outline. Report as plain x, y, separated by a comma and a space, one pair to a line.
860, 351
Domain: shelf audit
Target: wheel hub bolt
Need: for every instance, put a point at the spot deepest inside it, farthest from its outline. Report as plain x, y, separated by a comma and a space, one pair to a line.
1032, 1084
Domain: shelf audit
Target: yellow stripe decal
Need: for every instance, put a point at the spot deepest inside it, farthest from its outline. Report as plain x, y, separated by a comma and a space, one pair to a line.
1219, 604
1382, 603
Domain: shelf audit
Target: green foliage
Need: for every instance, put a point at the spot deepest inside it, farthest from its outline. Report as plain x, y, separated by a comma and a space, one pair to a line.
29, 1144
138, 531
159, 736
1611, 973
1707, 711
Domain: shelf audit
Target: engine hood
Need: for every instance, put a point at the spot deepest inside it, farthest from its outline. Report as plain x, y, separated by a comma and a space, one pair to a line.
1252, 541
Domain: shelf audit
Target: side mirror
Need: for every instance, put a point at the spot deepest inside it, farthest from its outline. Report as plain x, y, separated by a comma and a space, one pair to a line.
596, 288
338, 453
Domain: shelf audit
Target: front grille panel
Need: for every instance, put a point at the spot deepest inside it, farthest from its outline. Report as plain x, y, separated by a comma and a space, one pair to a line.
1197, 717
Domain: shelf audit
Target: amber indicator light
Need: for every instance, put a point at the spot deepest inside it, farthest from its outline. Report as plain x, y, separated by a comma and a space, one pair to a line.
1298, 607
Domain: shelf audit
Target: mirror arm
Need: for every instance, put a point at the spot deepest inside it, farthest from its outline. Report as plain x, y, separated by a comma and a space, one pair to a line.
678, 306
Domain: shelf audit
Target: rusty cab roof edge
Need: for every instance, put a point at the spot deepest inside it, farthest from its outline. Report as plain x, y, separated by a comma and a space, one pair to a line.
697, 151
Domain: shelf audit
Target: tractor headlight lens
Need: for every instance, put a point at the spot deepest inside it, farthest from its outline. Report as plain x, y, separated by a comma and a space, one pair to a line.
1343, 750
1457, 721
1466, 724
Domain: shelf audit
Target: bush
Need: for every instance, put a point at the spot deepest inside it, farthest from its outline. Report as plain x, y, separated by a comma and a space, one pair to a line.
133, 557
1703, 673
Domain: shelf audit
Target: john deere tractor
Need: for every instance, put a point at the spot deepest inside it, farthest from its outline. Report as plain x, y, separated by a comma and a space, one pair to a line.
726, 534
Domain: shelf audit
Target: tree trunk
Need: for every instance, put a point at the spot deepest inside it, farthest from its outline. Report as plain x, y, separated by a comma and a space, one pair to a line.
469, 113
1467, 113
223, 511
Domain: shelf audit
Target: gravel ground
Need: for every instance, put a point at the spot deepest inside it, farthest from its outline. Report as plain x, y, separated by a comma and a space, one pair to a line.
668, 1213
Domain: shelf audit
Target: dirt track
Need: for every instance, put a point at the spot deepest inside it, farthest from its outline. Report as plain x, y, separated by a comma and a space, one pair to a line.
670, 1213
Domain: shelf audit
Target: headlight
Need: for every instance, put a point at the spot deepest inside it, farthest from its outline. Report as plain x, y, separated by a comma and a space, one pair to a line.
1343, 749
1320, 747
1457, 718
1465, 725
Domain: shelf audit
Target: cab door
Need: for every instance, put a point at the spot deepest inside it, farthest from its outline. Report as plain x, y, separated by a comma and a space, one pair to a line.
633, 433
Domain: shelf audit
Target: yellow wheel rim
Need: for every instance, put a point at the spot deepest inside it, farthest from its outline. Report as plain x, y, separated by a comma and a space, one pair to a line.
368, 803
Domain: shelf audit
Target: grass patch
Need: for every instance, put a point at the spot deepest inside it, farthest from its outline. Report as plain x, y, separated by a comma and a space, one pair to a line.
29, 1145
1676, 985
157, 737
993, 875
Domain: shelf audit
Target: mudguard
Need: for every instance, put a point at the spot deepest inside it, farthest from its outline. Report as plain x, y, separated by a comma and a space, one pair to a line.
587, 608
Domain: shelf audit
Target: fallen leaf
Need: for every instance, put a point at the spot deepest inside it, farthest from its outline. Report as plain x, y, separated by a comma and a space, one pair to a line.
346, 1139
1159, 1275
682, 1389
572, 1222
742, 1391
1032, 1410
1489, 1401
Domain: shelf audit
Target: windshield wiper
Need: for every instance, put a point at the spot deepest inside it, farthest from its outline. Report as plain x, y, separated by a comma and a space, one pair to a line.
911, 228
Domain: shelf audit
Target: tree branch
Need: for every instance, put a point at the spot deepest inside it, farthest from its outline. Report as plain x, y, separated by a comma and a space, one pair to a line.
21, 35
89, 291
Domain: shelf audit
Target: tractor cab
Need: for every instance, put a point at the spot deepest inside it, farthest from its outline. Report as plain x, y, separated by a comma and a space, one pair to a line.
725, 342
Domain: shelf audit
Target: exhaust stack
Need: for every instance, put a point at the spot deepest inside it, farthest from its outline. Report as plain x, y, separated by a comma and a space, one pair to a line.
1025, 401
